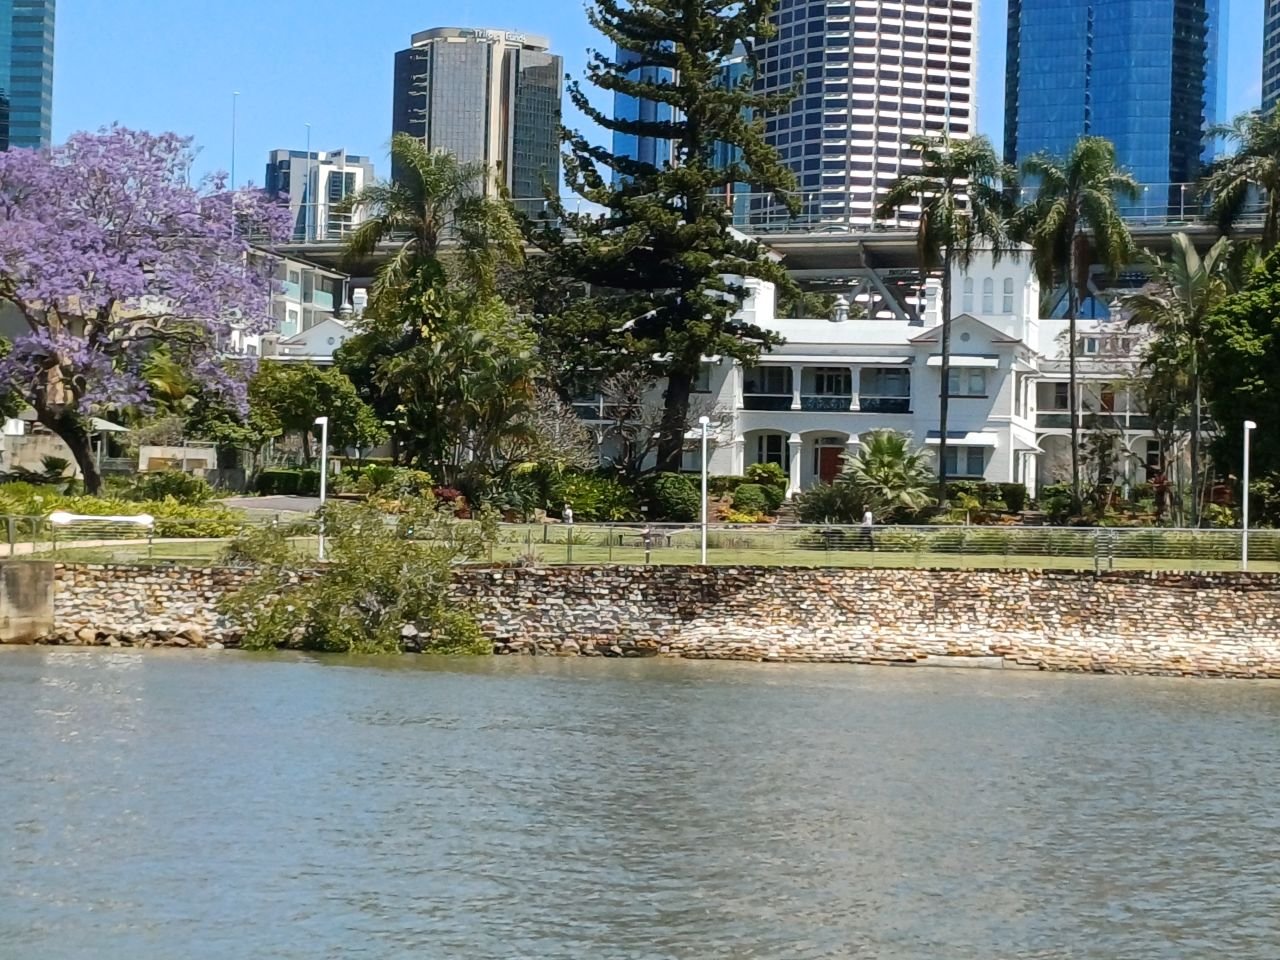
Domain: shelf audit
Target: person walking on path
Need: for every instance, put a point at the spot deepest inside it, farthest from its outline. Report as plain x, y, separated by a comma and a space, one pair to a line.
868, 522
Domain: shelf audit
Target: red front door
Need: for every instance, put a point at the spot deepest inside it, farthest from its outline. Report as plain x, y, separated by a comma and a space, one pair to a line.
828, 463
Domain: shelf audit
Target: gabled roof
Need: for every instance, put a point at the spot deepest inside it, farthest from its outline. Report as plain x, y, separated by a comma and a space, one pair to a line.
305, 335
997, 336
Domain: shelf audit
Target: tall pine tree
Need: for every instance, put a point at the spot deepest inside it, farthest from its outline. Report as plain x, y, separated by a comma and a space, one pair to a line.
667, 246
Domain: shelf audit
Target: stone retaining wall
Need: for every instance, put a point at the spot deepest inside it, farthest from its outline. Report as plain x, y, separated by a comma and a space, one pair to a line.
1220, 625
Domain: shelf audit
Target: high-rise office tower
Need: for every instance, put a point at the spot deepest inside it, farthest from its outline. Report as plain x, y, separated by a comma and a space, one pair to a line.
644, 149
1271, 56
26, 73
487, 96
868, 76
316, 183
1145, 74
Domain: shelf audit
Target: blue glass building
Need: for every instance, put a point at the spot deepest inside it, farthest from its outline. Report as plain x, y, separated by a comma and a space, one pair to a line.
650, 150
1146, 74
26, 73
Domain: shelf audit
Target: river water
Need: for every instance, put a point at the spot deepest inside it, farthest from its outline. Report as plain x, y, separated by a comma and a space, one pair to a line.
192, 805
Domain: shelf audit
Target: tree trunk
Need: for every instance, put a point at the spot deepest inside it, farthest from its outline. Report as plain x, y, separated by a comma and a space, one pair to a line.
75, 434
675, 420
1073, 399
944, 394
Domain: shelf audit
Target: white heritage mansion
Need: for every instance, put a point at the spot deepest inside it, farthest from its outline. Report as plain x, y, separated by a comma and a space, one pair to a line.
835, 379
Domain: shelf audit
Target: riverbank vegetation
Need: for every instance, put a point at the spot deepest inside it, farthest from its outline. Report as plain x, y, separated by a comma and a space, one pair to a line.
383, 589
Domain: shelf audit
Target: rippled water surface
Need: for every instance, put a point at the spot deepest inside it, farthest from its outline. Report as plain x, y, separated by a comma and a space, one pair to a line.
219, 806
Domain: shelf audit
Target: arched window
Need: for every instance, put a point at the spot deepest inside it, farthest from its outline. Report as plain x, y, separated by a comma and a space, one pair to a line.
967, 305
988, 296
1007, 306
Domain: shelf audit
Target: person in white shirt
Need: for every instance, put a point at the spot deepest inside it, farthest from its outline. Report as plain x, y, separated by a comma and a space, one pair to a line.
868, 521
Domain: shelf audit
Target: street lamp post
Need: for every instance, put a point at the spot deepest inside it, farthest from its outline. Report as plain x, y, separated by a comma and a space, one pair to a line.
323, 424
704, 422
1249, 427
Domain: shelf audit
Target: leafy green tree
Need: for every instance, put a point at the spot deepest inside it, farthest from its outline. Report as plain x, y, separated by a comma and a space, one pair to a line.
665, 244
385, 588
1074, 212
1253, 169
888, 476
1184, 290
961, 190
294, 395
435, 198
1242, 355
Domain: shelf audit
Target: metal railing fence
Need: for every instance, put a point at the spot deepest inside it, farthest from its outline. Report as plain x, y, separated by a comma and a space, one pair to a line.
1098, 549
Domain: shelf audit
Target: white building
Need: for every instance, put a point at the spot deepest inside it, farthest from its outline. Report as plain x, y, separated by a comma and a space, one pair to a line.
834, 380
316, 182
1108, 368
875, 75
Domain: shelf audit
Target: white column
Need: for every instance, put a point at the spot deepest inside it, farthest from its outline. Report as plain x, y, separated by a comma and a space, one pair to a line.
739, 453
853, 388
797, 377
796, 446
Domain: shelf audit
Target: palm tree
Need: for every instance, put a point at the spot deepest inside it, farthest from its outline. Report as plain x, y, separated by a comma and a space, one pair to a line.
436, 199
1185, 289
963, 193
1255, 166
887, 476
1075, 209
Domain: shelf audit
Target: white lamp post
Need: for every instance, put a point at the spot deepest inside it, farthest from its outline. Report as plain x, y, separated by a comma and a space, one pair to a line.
1249, 427
704, 422
323, 424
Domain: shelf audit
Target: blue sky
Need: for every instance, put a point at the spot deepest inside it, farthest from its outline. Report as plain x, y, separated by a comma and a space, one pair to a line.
173, 65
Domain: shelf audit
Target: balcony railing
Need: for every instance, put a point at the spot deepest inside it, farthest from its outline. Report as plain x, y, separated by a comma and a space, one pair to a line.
766, 401
827, 403
884, 404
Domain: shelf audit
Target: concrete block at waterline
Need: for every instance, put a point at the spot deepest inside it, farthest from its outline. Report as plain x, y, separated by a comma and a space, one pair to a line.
26, 601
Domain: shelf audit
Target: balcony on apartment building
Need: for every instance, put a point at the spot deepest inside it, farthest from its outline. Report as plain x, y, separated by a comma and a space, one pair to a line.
827, 389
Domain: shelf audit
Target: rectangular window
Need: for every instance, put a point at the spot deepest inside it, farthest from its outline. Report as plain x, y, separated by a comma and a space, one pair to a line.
772, 448
886, 383
965, 461
967, 383
768, 380
702, 382
1007, 296
1153, 455
1089, 346
1061, 396
832, 382
1108, 400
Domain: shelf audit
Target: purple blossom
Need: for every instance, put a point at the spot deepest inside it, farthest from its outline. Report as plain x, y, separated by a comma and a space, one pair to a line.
106, 252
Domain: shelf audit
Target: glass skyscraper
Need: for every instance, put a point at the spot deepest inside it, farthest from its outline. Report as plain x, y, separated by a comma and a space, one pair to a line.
1271, 56
486, 96
26, 73
1145, 74
651, 150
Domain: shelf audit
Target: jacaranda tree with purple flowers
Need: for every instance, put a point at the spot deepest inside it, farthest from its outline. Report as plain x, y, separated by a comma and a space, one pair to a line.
107, 253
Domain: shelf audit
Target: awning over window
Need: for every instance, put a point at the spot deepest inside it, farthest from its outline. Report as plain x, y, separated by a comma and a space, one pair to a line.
965, 360
958, 439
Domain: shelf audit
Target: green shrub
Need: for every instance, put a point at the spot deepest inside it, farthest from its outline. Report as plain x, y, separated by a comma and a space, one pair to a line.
593, 498
174, 484
723, 486
1055, 501
1014, 495
751, 498
277, 482
672, 498
384, 481
766, 475
382, 577
308, 483
1219, 517
827, 503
